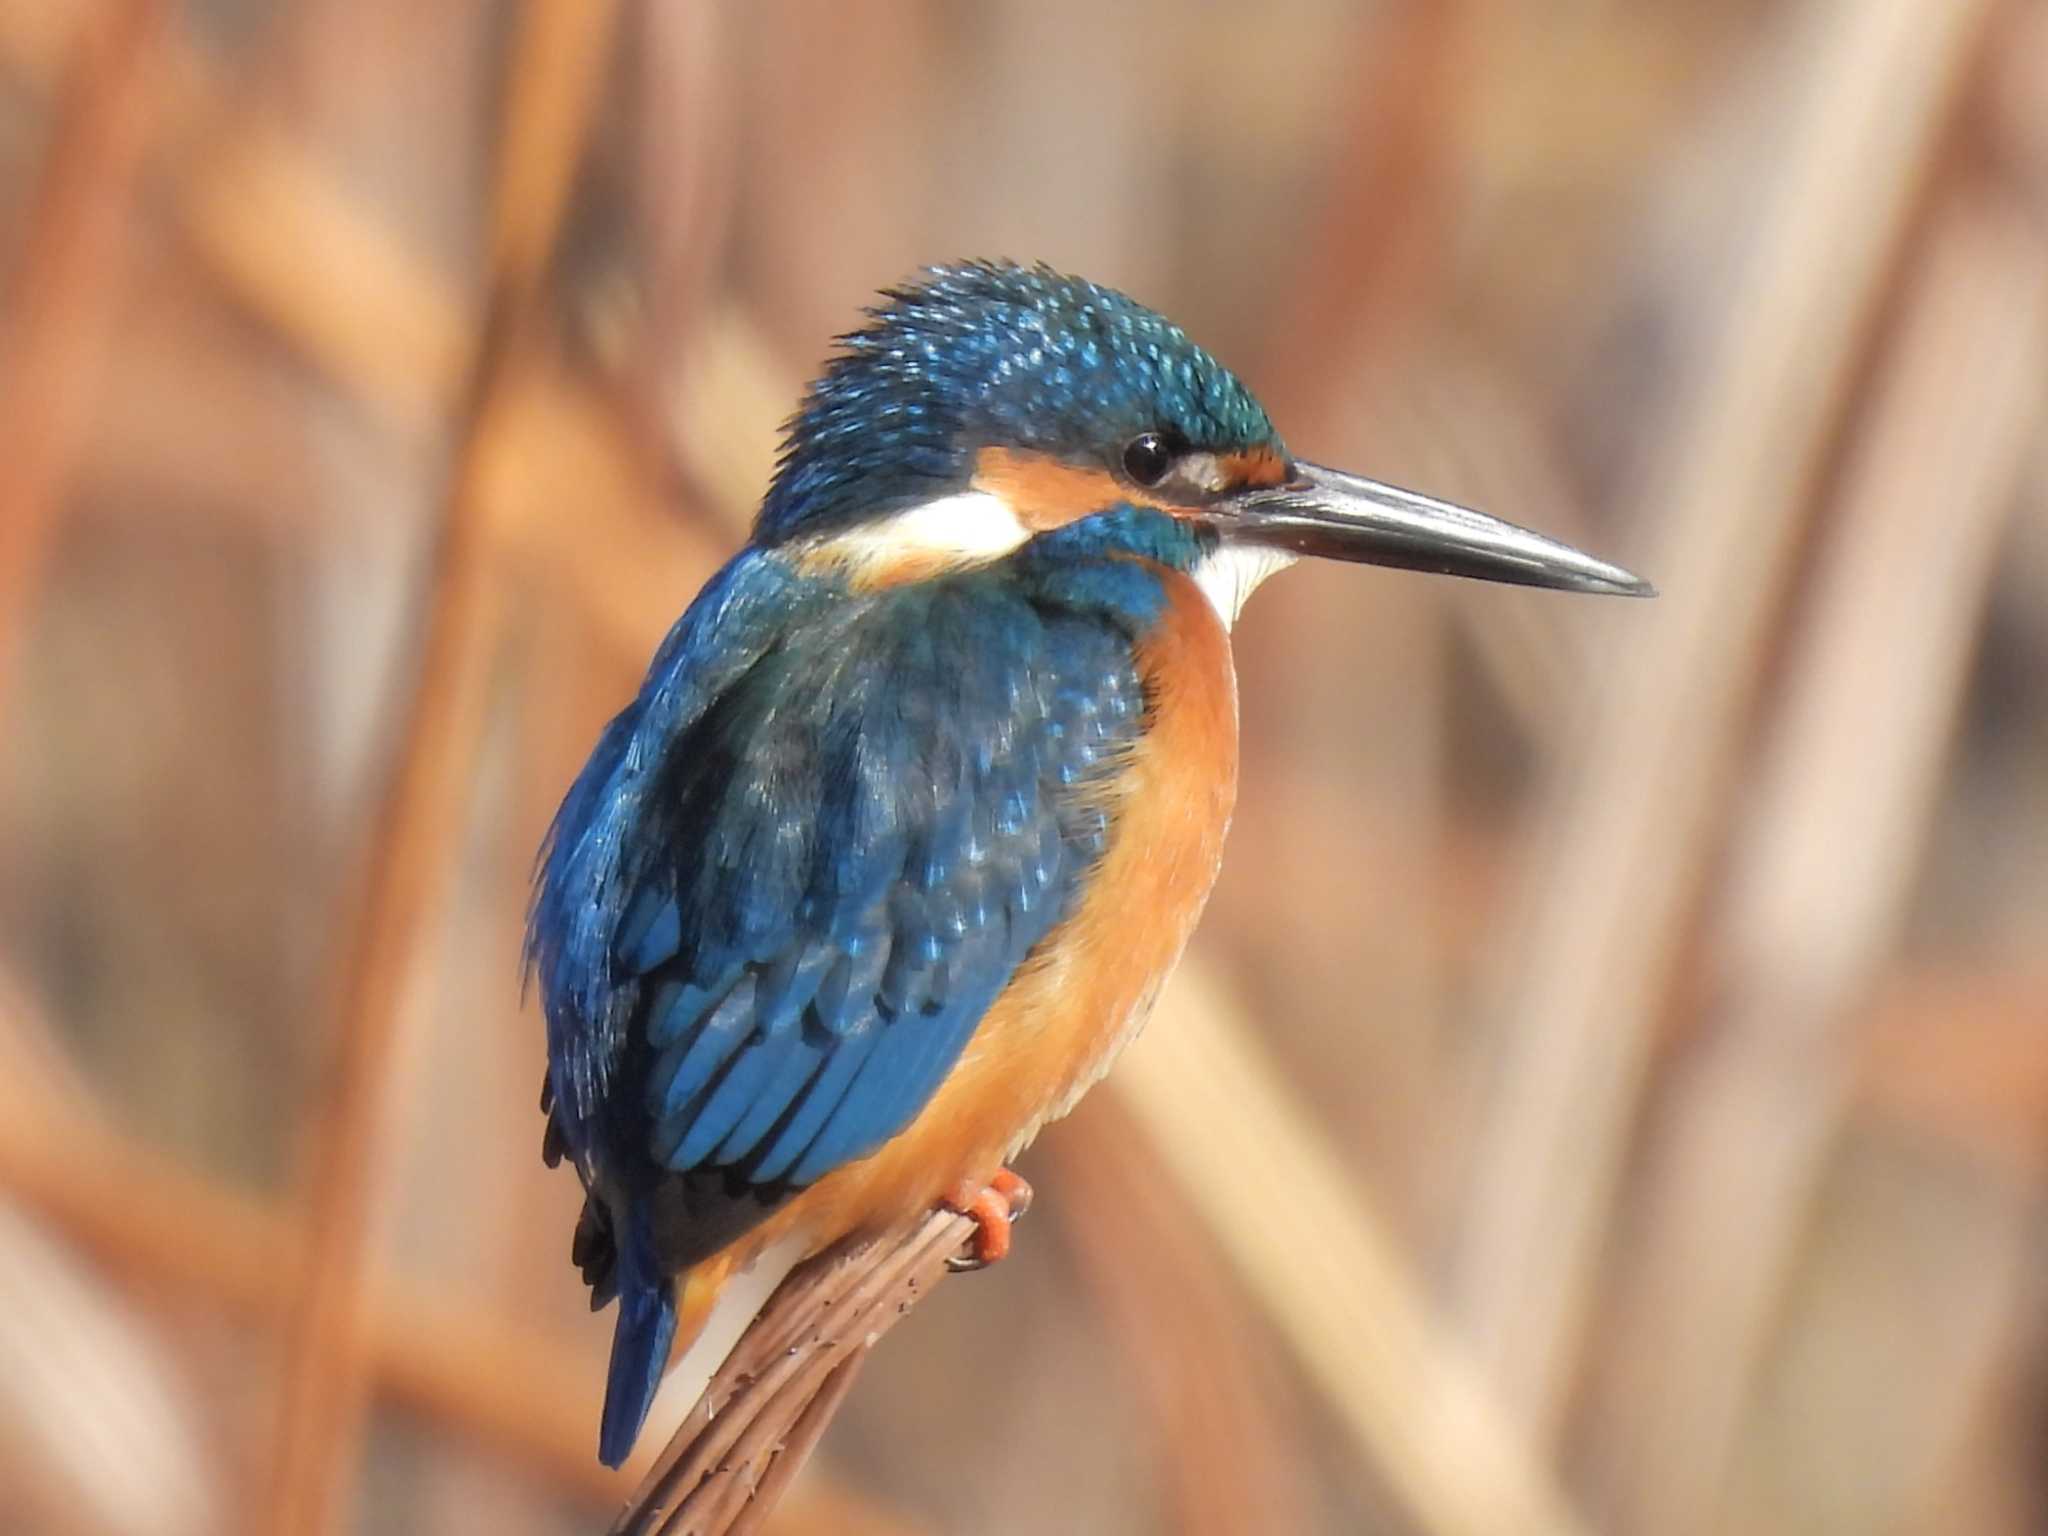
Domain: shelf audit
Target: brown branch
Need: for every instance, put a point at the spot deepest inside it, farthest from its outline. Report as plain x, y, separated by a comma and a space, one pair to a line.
1822, 871
60, 310
1379, 236
1224, 1430
554, 75
745, 1439
177, 1237
1340, 1294
1585, 967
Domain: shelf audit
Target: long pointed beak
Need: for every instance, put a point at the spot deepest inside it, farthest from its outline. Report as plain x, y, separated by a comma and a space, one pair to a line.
1335, 516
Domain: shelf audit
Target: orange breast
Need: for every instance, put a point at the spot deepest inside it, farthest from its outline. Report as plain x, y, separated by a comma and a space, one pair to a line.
1088, 988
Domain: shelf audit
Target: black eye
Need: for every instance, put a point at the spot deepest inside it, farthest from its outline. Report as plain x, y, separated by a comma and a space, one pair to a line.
1147, 458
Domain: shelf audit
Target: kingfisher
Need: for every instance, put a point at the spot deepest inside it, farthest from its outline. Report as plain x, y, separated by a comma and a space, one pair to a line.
922, 796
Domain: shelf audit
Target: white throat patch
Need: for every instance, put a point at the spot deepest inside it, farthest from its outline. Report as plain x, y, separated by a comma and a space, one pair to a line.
1233, 573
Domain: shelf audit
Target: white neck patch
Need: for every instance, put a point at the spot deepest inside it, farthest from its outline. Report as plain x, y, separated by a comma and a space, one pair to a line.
969, 526
1231, 574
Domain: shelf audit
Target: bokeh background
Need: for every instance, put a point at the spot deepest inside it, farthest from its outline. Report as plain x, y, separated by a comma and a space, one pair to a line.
1610, 1091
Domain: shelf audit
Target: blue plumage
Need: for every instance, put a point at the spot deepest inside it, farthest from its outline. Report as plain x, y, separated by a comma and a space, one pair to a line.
804, 862
640, 1344
985, 352
594, 864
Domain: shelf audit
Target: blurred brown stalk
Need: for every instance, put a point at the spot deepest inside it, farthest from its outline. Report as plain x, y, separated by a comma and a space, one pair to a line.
1607, 1094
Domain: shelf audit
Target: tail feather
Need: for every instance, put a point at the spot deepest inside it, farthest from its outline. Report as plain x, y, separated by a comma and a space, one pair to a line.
641, 1341
661, 1317
646, 1328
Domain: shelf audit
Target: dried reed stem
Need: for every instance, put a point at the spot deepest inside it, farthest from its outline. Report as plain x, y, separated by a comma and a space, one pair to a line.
1341, 1296
60, 311
553, 85
1608, 903
1821, 873
747, 1436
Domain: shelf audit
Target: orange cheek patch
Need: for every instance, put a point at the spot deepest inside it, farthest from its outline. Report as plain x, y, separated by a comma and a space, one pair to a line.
1046, 493
1255, 466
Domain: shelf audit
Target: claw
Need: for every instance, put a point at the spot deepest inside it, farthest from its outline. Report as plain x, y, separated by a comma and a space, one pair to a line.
1014, 1190
993, 1208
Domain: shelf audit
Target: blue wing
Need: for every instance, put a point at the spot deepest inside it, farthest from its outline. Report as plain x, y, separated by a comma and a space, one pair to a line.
792, 879
595, 852
775, 909
868, 835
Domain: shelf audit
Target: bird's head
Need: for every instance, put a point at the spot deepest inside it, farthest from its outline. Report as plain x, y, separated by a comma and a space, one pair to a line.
989, 404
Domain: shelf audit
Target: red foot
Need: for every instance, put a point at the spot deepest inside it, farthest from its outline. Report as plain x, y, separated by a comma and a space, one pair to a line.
994, 1208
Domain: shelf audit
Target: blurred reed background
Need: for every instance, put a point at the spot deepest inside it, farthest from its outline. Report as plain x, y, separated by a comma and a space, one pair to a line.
1610, 1092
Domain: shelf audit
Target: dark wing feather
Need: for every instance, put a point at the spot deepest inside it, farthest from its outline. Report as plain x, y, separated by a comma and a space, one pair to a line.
582, 940
866, 836
828, 872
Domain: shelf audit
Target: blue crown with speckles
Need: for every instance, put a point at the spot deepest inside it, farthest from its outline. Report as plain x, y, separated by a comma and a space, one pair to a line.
990, 354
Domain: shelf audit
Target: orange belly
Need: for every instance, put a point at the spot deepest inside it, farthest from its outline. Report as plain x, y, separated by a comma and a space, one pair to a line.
1086, 990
